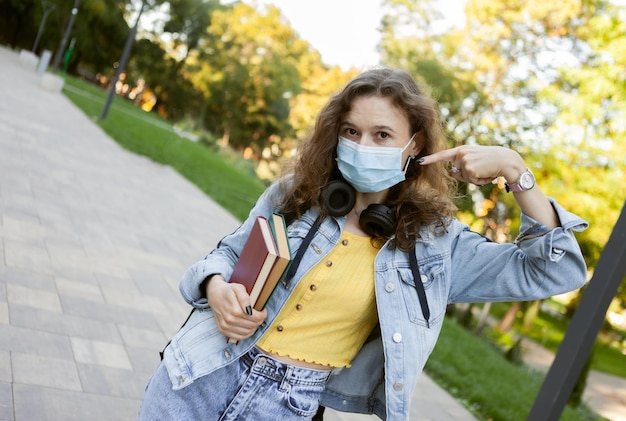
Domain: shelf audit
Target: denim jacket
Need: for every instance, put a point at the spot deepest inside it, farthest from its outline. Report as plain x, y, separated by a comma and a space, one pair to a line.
455, 266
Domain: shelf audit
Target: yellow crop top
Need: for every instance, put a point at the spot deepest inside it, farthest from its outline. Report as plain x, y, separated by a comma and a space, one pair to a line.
332, 311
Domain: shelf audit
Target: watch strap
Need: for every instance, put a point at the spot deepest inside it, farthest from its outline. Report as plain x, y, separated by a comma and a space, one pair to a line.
517, 185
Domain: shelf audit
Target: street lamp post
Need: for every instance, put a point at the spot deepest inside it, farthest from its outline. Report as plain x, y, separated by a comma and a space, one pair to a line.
59, 54
47, 9
122, 63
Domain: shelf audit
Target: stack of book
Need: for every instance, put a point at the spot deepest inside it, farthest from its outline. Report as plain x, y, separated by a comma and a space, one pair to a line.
263, 260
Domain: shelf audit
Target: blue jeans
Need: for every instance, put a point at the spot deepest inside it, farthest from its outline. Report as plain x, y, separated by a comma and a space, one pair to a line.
255, 387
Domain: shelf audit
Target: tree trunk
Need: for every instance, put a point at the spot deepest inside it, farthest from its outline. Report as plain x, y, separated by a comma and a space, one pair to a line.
506, 323
531, 313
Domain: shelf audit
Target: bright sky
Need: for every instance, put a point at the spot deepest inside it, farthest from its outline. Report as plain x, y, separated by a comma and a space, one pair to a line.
345, 32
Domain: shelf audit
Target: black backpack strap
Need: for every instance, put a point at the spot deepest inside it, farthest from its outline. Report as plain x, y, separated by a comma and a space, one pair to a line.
183, 325
419, 286
293, 267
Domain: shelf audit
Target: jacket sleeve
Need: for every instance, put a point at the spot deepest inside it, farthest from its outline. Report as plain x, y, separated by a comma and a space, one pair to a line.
539, 264
223, 258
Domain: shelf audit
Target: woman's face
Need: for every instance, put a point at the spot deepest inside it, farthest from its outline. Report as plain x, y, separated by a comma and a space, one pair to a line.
375, 121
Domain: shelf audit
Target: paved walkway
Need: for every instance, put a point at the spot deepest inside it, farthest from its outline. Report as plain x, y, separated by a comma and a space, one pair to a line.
93, 241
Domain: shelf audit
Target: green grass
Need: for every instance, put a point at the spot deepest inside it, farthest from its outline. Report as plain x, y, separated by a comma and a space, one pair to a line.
148, 135
480, 377
549, 330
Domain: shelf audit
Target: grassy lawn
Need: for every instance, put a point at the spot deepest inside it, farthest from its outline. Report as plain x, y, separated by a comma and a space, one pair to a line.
477, 374
549, 330
480, 377
146, 134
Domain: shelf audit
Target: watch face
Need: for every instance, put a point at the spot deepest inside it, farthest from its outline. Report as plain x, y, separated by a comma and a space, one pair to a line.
527, 180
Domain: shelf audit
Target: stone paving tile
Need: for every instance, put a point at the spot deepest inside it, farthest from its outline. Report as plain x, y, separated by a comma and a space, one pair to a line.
31, 341
85, 289
137, 337
27, 278
107, 313
64, 324
113, 282
135, 301
112, 381
35, 298
152, 283
4, 313
107, 354
144, 360
44, 371
47, 404
6, 374
24, 255
73, 274
22, 230
6, 401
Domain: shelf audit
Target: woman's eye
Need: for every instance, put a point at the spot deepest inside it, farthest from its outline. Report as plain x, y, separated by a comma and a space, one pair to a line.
351, 132
383, 135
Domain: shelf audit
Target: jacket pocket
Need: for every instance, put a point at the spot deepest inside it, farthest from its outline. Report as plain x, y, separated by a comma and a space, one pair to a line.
432, 278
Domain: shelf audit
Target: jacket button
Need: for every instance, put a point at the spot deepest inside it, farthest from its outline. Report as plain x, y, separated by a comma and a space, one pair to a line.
424, 278
397, 337
398, 386
390, 287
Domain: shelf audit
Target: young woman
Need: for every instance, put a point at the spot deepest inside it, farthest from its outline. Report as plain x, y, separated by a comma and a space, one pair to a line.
377, 257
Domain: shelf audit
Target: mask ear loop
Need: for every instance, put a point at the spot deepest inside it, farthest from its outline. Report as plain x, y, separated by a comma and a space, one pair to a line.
411, 157
409, 161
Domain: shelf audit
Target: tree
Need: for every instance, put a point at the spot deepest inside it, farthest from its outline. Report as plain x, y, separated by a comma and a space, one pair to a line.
247, 70
188, 22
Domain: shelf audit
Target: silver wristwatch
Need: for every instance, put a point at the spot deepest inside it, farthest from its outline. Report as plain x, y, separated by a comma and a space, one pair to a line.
526, 181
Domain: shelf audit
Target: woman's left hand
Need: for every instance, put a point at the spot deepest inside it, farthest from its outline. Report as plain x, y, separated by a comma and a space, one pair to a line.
480, 164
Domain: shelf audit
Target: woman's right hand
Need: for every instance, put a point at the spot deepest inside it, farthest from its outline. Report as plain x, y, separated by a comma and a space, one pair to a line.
229, 303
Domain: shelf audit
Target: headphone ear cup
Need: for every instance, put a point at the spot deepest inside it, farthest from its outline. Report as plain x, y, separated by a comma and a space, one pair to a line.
338, 197
378, 219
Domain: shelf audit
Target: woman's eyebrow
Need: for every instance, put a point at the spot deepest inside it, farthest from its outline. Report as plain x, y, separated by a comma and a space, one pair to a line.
384, 128
379, 127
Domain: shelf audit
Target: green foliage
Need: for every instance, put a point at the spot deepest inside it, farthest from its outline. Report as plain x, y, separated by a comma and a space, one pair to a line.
247, 72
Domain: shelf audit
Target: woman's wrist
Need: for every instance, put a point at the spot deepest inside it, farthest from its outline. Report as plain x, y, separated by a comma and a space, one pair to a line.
204, 285
514, 167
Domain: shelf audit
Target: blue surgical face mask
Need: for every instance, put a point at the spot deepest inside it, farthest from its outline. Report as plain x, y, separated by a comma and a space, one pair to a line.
370, 169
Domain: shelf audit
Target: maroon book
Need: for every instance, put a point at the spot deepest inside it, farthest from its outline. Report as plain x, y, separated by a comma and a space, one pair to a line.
256, 260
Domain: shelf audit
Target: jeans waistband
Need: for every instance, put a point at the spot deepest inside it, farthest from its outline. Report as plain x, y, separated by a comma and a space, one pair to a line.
265, 365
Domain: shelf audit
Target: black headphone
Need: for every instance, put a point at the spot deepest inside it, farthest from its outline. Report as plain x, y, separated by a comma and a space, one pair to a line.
338, 197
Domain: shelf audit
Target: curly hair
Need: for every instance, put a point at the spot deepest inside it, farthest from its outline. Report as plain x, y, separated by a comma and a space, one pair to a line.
424, 198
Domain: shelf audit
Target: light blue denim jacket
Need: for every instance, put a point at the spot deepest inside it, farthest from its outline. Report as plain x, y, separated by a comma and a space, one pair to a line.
457, 266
